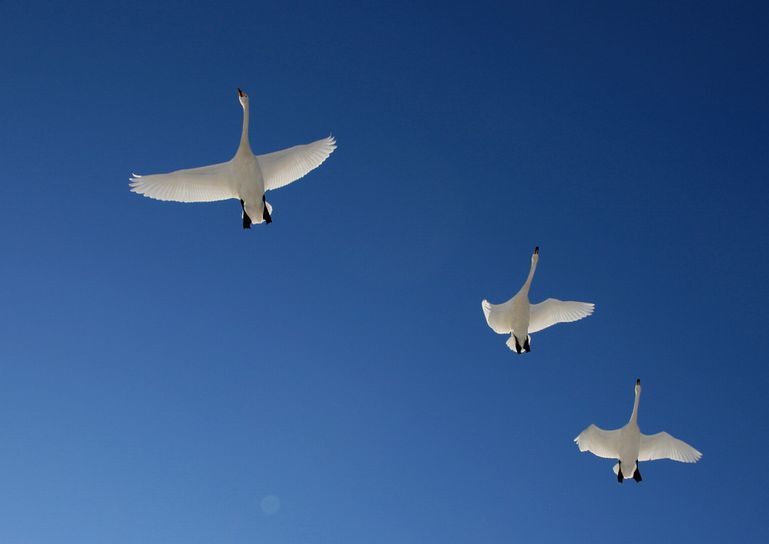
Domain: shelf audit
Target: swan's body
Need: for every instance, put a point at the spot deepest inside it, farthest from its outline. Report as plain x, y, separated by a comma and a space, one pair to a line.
245, 177
630, 446
519, 318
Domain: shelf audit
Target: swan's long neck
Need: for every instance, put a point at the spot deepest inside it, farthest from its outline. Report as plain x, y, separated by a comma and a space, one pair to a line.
244, 146
527, 285
634, 415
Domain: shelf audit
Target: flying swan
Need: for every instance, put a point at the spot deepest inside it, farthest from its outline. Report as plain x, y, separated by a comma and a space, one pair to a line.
630, 446
245, 177
519, 318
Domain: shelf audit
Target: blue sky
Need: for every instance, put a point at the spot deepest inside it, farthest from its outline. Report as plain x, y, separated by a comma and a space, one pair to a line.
162, 371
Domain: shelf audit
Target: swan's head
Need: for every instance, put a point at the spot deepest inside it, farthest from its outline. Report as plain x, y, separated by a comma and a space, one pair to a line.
243, 97
535, 255
638, 386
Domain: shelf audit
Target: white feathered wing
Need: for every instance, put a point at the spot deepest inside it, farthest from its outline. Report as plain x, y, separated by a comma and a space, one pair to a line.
600, 442
288, 165
498, 316
204, 184
664, 446
552, 311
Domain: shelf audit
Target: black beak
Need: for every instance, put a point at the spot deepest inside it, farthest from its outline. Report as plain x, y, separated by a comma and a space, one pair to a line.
536, 250
638, 381
240, 93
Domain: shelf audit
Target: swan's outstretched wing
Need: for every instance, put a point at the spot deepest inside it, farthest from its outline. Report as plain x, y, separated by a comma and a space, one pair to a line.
287, 165
551, 311
499, 316
599, 442
204, 184
664, 446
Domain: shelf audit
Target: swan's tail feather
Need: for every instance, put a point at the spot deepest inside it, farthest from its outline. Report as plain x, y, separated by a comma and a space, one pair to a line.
515, 346
267, 215
636, 473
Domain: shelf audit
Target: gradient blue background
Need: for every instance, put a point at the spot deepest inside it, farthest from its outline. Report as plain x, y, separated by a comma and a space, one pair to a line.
162, 370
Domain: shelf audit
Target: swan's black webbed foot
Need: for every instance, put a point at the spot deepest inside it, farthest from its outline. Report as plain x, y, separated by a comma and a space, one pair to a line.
266, 214
246, 218
517, 345
526, 346
637, 473
620, 477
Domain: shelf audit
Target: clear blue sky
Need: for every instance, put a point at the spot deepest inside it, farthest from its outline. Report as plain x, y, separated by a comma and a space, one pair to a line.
163, 371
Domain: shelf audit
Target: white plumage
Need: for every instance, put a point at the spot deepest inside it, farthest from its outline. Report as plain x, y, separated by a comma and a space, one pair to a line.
519, 318
280, 168
629, 446
204, 184
245, 177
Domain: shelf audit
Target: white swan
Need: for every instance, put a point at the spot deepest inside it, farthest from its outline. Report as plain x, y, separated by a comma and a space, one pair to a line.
245, 177
518, 318
630, 446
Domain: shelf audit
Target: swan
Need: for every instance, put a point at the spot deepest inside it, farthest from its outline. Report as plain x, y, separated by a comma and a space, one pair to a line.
519, 318
630, 446
245, 177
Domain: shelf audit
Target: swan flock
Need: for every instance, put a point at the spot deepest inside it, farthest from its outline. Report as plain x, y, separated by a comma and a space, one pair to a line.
247, 177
